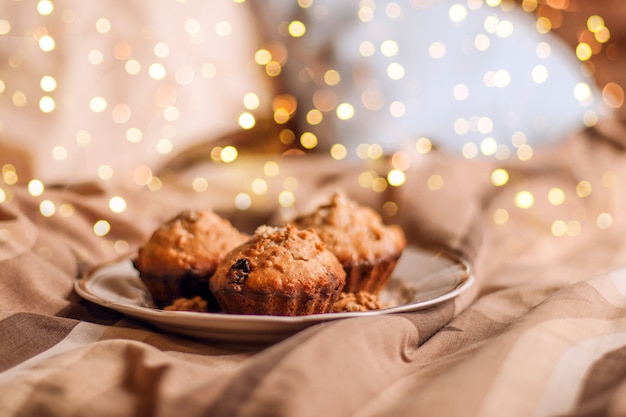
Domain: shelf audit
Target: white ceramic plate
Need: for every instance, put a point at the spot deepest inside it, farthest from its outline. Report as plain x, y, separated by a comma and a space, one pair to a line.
421, 279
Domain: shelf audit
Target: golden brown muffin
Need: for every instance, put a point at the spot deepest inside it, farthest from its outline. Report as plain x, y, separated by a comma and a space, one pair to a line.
183, 253
280, 271
366, 247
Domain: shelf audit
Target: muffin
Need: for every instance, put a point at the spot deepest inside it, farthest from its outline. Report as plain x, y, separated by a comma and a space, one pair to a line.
367, 248
182, 254
280, 271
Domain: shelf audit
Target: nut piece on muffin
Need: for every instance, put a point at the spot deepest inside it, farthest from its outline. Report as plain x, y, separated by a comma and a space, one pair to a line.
356, 301
197, 304
367, 248
280, 271
182, 254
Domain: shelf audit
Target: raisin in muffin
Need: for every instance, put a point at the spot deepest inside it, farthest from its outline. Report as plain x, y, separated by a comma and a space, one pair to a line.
280, 271
183, 253
366, 247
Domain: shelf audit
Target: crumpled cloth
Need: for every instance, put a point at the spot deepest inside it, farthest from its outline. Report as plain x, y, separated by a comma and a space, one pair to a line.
542, 332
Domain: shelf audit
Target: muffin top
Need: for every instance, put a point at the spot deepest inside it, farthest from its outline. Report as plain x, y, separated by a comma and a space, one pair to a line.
354, 233
279, 259
192, 242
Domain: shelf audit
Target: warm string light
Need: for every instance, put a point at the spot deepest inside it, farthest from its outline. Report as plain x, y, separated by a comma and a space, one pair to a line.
123, 53
593, 40
325, 104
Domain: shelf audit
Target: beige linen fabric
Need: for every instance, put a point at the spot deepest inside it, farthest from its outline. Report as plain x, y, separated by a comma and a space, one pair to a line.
541, 333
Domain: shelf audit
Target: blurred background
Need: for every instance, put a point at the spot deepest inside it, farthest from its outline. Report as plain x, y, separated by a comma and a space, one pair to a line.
122, 88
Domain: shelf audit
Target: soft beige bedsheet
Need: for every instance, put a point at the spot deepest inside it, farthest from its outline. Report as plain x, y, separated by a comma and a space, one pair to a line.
541, 333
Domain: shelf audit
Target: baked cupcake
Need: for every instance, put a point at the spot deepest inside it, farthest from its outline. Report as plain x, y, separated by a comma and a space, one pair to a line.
367, 248
182, 254
280, 271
